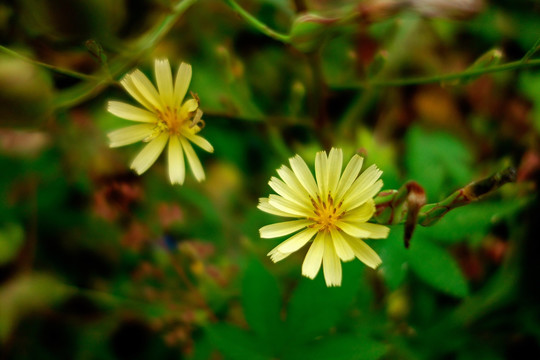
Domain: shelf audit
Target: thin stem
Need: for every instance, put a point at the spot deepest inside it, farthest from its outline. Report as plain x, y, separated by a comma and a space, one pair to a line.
82, 92
438, 78
57, 69
257, 24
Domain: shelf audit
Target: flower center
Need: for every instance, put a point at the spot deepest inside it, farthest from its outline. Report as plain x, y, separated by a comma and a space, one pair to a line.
170, 120
326, 213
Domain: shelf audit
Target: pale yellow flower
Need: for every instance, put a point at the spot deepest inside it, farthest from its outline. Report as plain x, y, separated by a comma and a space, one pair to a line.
332, 209
165, 119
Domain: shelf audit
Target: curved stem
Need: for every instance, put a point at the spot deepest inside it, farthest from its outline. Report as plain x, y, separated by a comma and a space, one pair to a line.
57, 69
438, 78
257, 24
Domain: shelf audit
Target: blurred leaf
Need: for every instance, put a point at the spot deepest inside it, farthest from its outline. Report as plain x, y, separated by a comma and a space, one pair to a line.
24, 295
437, 161
436, 267
11, 240
314, 308
261, 301
394, 257
235, 343
469, 221
340, 348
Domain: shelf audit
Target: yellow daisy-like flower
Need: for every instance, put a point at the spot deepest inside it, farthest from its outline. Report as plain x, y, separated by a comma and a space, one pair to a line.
164, 119
333, 208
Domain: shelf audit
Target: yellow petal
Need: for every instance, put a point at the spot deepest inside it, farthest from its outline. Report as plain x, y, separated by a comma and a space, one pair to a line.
364, 253
349, 176
355, 199
162, 70
364, 230
290, 179
181, 85
129, 85
360, 214
335, 162
288, 206
199, 141
321, 172
276, 256
343, 249
296, 241
146, 89
303, 174
312, 262
177, 167
282, 228
194, 162
130, 134
331, 264
149, 154
130, 112
287, 193
265, 206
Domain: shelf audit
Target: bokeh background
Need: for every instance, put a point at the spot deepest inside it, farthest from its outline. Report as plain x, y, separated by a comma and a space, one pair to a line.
99, 263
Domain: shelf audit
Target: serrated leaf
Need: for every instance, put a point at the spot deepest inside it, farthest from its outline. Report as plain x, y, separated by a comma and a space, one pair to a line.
436, 267
261, 301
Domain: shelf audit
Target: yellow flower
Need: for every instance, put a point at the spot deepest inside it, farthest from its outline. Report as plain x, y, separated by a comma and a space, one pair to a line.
164, 119
334, 209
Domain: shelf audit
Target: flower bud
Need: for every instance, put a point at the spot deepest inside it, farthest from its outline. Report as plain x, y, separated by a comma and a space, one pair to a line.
309, 31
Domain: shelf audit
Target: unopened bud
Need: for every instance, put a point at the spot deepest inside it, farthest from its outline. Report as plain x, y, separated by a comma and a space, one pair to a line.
309, 31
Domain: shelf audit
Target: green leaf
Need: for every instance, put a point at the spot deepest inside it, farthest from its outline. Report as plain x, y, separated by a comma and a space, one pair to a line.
24, 295
437, 161
261, 301
235, 343
394, 257
437, 268
11, 240
469, 221
345, 347
315, 308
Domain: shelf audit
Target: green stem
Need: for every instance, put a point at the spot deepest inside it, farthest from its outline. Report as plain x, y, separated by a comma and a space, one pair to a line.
57, 69
82, 92
438, 78
257, 24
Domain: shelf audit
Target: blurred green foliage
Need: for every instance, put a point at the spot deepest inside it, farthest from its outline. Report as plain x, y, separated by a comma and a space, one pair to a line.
98, 263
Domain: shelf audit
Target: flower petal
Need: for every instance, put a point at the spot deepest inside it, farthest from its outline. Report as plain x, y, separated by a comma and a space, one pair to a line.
288, 206
177, 166
331, 263
149, 154
199, 141
162, 70
130, 112
181, 85
321, 172
304, 175
364, 230
129, 85
265, 206
349, 175
296, 241
354, 200
360, 214
343, 249
364, 253
130, 134
146, 89
276, 255
335, 162
194, 162
287, 193
283, 228
312, 262
292, 181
